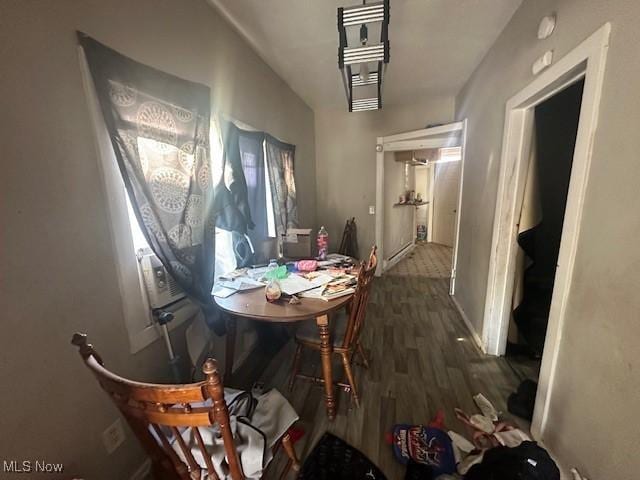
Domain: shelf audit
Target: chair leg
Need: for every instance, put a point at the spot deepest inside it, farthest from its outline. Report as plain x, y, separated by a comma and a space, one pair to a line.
352, 382
296, 365
362, 355
293, 462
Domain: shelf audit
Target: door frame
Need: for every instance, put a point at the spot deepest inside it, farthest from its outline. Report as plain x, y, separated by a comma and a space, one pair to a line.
435, 137
586, 61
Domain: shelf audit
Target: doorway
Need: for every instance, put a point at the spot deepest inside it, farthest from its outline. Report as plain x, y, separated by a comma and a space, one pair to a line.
445, 201
401, 156
540, 227
587, 61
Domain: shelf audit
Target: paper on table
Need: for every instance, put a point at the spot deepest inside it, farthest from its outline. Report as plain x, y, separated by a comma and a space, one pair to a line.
326, 263
240, 284
257, 273
295, 283
320, 293
222, 292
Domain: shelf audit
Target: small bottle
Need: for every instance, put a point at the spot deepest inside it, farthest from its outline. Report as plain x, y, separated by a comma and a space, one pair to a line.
323, 243
272, 291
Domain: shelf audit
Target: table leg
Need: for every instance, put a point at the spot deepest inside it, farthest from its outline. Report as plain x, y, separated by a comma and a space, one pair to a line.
229, 349
327, 374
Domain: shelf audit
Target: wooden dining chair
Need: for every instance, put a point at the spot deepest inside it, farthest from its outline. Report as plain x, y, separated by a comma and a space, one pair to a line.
345, 327
159, 416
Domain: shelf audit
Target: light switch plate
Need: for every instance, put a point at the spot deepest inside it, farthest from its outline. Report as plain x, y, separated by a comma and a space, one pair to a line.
372, 210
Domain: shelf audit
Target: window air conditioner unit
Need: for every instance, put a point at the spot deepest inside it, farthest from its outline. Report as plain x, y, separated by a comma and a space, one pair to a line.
162, 289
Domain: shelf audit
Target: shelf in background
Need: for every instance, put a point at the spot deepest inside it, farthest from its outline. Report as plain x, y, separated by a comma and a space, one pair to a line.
410, 204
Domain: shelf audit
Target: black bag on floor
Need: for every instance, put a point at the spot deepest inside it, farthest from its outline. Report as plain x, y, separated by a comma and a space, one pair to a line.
334, 459
527, 461
522, 402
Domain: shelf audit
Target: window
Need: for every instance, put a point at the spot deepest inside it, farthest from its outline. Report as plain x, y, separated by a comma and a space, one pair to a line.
139, 240
225, 258
261, 238
126, 236
271, 221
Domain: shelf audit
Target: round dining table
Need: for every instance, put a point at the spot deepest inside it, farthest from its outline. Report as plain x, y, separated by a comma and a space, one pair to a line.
253, 304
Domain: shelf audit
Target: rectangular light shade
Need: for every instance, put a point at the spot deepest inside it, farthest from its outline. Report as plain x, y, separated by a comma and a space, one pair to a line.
365, 104
366, 53
372, 79
361, 14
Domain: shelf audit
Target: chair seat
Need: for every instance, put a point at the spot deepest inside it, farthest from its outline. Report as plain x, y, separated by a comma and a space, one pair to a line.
338, 322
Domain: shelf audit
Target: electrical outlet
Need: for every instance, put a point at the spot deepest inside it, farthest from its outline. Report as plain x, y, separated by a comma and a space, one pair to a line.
113, 436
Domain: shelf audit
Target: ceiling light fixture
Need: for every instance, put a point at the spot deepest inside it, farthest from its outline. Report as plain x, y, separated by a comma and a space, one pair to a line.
361, 56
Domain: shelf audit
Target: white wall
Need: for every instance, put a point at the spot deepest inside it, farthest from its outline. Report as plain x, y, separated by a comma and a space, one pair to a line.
593, 421
346, 160
398, 220
423, 176
56, 257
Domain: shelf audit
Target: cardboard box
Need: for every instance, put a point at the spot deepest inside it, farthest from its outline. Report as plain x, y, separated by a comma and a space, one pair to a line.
297, 243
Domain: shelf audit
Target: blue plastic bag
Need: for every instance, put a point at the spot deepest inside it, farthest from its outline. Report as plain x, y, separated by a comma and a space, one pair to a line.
426, 445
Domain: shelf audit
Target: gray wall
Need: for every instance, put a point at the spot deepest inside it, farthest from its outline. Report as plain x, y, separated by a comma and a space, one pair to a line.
346, 160
57, 260
592, 418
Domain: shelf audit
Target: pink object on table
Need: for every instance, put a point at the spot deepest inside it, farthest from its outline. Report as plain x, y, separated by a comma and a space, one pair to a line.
307, 265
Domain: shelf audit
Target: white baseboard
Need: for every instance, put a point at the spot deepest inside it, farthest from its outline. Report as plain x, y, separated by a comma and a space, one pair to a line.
399, 255
143, 472
472, 330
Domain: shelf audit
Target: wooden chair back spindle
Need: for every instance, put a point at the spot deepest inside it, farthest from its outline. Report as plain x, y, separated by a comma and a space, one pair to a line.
155, 412
357, 312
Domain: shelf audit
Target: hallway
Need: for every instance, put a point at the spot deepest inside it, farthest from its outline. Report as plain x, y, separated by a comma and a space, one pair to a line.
423, 360
426, 260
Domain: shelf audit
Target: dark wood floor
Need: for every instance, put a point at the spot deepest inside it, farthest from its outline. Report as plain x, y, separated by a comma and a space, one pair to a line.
422, 359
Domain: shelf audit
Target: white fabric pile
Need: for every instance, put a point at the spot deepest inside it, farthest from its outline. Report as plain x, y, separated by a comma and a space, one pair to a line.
254, 436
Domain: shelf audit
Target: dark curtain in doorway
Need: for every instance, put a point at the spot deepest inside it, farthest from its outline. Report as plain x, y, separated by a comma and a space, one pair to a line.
549, 174
159, 129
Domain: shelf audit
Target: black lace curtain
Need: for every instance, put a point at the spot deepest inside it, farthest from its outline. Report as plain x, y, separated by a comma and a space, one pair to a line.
246, 187
159, 128
252, 158
280, 162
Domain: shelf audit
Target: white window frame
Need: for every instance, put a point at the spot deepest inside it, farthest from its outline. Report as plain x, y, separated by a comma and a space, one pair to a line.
136, 310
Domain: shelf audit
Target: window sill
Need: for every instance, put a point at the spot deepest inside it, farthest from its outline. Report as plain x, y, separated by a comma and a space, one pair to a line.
183, 310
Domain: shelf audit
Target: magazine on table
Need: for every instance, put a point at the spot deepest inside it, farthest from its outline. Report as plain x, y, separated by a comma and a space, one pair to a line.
338, 287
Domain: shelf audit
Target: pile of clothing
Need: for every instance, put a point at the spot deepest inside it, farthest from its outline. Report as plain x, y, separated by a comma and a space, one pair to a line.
494, 449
